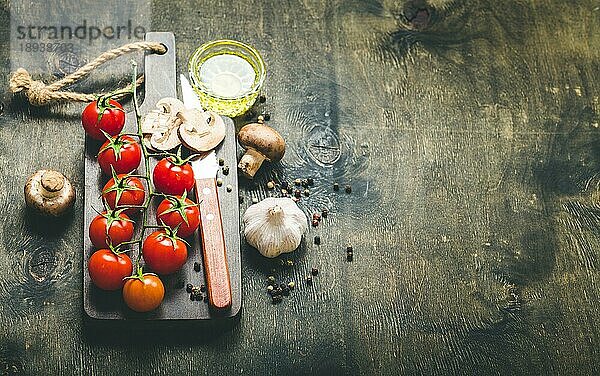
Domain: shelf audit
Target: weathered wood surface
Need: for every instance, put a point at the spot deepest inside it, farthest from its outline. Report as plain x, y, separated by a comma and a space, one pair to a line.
469, 133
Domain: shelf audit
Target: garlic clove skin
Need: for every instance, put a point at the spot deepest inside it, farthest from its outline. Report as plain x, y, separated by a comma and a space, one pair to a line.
274, 226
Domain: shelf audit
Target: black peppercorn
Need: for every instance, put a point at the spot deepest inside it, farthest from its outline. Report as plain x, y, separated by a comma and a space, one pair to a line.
348, 189
315, 223
276, 299
202, 288
285, 185
286, 291
309, 280
324, 213
306, 192
314, 271
317, 240
189, 287
271, 280
262, 99
197, 266
310, 181
226, 170
349, 256
349, 249
297, 193
267, 116
336, 187
305, 183
297, 181
221, 162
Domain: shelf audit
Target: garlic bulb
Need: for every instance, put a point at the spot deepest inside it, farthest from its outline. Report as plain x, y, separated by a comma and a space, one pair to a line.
274, 226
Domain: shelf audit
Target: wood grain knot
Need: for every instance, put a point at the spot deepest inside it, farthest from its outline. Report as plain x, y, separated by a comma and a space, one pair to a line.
41, 264
323, 145
417, 14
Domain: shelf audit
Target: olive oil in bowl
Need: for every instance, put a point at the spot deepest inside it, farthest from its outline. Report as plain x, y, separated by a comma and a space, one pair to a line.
227, 75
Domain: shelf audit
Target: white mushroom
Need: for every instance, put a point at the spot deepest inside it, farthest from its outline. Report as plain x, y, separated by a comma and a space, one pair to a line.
160, 126
274, 226
200, 131
49, 192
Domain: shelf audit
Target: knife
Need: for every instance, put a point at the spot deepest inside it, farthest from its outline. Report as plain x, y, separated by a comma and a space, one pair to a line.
211, 225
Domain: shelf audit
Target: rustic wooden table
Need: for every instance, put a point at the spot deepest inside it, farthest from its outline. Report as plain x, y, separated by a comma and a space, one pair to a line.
469, 133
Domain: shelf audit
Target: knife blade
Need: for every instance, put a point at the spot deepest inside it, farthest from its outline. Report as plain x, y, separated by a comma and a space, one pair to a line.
214, 253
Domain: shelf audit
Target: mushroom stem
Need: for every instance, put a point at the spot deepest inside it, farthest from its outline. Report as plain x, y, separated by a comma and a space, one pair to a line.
52, 183
251, 162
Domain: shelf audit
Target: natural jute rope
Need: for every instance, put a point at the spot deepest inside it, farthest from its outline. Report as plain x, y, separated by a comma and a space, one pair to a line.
40, 94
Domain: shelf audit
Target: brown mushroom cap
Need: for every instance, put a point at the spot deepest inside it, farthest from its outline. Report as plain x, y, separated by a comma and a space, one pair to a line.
49, 192
264, 139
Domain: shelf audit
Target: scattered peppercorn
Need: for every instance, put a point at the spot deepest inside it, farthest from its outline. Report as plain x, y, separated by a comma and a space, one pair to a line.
284, 192
305, 183
315, 223
270, 288
349, 256
271, 279
349, 248
254, 200
348, 189
221, 162
285, 184
192, 297
229, 188
309, 280
310, 181
267, 117
286, 291
289, 263
336, 187
196, 266
316, 217
306, 192
219, 182
297, 181
291, 285
226, 170
276, 299
297, 193
324, 213
282, 286
202, 288
314, 271
262, 99
317, 240
270, 185
188, 287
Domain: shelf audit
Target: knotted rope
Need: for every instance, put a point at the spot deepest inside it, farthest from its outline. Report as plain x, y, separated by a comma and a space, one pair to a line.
40, 94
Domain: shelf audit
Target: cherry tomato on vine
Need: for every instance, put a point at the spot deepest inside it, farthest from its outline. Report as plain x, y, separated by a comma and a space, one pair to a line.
111, 226
143, 293
105, 115
122, 153
179, 211
164, 252
173, 176
123, 190
108, 269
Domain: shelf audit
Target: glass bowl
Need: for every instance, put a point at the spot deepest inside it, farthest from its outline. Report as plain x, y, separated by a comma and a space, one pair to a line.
227, 75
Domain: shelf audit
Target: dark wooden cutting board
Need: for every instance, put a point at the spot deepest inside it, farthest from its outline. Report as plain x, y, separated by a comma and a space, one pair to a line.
160, 82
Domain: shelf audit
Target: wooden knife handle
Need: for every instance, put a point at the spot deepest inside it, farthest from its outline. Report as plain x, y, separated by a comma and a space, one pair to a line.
213, 244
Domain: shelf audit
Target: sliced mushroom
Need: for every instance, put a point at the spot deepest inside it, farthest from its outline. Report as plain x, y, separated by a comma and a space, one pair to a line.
201, 131
160, 126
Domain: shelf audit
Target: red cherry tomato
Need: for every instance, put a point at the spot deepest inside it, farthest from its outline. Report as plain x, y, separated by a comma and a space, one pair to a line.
122, 153
107, 269
103, 115
130, 189
117, 228
171, 178
179, 211
143, 294
163, 252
